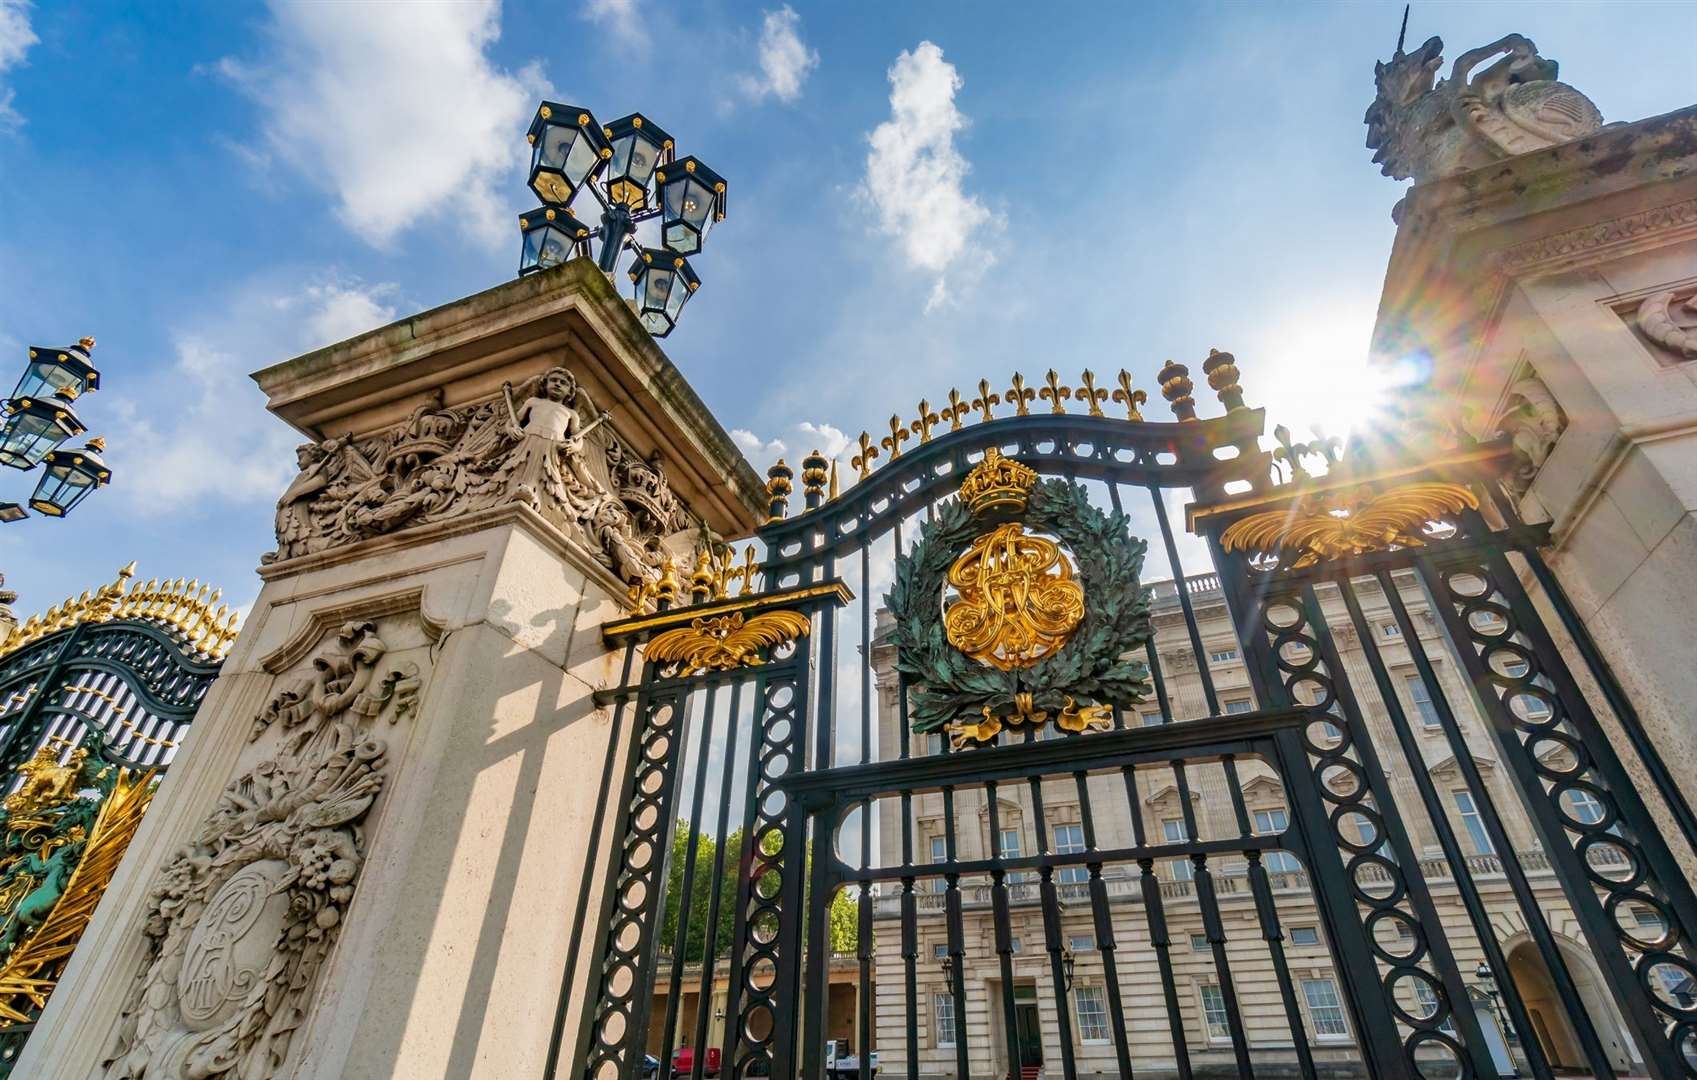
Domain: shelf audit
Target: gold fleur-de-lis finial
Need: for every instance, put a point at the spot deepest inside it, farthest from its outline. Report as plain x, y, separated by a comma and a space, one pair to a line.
1130, 398
701, 579
927, 420
956, 411
893, 441
745, 573
1054, 393
1019, 396
1087, 392
863, 460
985, 399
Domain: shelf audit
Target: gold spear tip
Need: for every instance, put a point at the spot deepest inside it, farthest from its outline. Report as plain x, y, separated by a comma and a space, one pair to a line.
128, 571
86, 342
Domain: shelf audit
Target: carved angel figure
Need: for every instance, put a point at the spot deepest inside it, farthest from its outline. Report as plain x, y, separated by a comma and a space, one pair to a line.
1514, 106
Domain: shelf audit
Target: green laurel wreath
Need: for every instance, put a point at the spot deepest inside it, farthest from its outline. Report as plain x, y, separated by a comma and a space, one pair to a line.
1092, 667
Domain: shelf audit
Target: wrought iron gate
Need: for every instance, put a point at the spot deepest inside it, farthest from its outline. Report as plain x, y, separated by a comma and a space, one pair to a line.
1259, 868
94, 697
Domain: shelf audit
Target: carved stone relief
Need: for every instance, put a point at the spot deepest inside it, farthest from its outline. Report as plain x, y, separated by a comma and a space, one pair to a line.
1534, 420
1427, 130
544, 445
1667, 320
242, 918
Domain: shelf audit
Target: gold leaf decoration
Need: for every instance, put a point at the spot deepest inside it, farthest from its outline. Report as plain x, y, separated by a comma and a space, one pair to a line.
1348, 523
724, 642
190, 609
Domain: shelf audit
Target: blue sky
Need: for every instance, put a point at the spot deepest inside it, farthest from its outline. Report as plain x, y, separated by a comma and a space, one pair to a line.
920, 195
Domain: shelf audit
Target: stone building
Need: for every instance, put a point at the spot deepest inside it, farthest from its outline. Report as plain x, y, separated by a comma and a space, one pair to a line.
1155, 803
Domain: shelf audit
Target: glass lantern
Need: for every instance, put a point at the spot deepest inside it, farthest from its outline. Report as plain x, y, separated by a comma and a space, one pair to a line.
36, 426
639, 147
551, 237
692, 198
664, 281
567, 149
50, 370
69, 477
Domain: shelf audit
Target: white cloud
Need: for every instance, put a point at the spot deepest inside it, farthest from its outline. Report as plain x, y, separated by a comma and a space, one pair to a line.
752, 444
914, 172
619, 18
828, 440
785, 60
396, 109
196, 439
16, 37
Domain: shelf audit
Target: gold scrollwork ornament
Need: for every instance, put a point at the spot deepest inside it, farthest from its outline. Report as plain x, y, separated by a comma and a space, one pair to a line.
1017, 601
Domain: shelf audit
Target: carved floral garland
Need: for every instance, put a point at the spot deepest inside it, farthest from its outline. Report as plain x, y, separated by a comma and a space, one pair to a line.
242, 917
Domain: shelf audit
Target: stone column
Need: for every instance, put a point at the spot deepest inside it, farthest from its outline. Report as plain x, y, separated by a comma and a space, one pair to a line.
1554, 295
366, 859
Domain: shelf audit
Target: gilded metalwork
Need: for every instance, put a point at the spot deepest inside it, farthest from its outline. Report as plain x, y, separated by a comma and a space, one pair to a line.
927, 420
863, 460
1087, 392
997, 483
985, 400
725, 642
1221, 369
1020, 396
190, 609
1348, 523
1017, 600
63, 833
1054, 392
1176, 387
958, 410
1130, 398
1071, 717
898, 435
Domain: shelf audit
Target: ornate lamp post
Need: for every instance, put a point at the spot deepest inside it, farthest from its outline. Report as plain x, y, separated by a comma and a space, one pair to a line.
39, 418
629, 167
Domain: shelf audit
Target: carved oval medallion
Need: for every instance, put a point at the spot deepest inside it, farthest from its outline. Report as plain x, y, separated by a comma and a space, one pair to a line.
231, 945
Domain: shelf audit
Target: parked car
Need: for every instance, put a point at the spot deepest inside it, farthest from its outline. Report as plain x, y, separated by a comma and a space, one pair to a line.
842, 1063
683, 1062
650, 1067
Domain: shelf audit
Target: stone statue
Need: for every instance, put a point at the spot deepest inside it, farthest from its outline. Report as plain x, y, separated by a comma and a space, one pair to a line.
530, 447
8, 618
1466, 121
1535, 421
241, 919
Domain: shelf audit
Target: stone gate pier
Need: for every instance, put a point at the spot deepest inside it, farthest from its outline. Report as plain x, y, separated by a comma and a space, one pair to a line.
366, 861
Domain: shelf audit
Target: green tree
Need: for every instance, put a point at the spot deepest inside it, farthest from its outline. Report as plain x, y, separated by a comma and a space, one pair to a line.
845, 924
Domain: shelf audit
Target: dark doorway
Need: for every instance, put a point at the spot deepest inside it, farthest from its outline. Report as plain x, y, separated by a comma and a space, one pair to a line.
1028, 1027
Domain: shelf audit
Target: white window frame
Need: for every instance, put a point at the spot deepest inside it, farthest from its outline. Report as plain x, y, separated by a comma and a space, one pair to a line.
943, 1005
1336, 1003
1183, 869
1069, 875
1424, 707
1099, 996
1314, 931
1082, 942
1222, 656
1469, 813
1239, 707
1276, 862
1203, 1009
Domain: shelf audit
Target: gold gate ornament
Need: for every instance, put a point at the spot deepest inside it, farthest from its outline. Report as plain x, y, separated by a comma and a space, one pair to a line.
1018, 601
1349, 523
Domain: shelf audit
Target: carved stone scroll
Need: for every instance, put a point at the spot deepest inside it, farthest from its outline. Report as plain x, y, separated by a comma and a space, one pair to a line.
1534, 420
242, 917
542, 444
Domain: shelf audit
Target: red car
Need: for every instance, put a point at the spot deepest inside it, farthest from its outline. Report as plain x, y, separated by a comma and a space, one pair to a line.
683, 1062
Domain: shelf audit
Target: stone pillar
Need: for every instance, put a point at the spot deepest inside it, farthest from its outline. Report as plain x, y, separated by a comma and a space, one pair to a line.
1554, 295
366, 859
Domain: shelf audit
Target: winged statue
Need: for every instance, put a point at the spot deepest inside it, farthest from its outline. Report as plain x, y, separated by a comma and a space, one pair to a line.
1348, 525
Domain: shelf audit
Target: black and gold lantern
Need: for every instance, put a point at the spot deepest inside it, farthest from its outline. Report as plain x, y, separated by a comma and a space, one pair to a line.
69, 477
551, 237
50, 370
567, 149
639, 148
664, 281
36, 426
692, 198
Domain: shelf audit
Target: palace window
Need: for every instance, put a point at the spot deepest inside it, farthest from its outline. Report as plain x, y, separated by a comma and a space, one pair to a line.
939, 854
1173, 830
1325, 1008
940, 950
1092, 1005
1422, 698
1153, 719
1069, 840
1475, 828
1221, 656
1582, 806
943, 1008
1269, 823
1199, 943
1214, 1020
1237, 708
1304, 935
1082, 943
1428, 999
1391, 629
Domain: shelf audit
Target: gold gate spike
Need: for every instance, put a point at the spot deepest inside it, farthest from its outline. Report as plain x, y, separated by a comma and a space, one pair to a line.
1054, 392
985, 399
1019, 396
1087, 392
957, 410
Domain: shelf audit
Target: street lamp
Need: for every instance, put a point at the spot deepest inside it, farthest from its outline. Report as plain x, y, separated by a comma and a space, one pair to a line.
629, 168
40, 418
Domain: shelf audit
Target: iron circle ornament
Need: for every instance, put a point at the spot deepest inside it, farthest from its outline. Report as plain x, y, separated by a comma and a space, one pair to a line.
1068, 665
